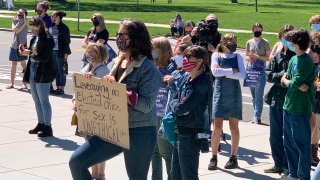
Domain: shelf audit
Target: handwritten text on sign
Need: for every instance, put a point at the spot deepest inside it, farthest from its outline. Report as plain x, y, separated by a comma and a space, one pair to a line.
102, 109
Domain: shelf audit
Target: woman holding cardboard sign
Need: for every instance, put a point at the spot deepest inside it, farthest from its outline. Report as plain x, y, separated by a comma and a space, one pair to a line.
135, 68
96, 55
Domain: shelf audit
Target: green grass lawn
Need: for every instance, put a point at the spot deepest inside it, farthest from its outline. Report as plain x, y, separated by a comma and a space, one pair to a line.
273, 14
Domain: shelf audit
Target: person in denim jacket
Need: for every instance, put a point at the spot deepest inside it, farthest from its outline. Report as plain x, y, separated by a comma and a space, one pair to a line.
135, 68
189, 110
279, 59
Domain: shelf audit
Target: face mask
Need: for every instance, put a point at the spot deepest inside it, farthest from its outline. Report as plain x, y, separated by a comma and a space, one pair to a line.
284, 42
315, 27
89, 59
257, 34
155, 54
20, 16
232, 47
95, 23
122, 44
178, 59
188, 66
39, 12
315, 48
291, 47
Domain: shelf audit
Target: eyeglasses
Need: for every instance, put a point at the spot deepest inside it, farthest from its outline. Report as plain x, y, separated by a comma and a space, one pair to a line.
120, 34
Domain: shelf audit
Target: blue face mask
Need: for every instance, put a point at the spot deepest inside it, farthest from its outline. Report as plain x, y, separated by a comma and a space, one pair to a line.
315, 27
284, 42
291, 47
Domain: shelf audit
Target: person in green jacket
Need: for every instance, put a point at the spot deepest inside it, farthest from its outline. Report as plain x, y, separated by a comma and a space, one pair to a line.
298, 105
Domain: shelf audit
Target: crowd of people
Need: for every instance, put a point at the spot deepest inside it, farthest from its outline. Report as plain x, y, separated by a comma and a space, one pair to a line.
178, 98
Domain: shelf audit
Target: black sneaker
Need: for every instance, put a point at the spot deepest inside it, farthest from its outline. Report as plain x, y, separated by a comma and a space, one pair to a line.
37, 129
213, 165
46, 132
59, 92
232, 163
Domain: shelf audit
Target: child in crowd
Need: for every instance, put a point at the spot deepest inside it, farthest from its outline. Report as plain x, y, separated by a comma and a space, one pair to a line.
298, 105
227, 66
162, 53
96, 54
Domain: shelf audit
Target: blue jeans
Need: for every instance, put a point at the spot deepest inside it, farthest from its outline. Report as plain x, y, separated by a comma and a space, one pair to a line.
297, 144
185, 158
316, 174
96, 150
58, 63
276, 138
163, 150
40, 96
257, 97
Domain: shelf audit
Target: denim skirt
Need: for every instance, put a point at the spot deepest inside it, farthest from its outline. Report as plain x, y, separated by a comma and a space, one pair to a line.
13, 56
227, 99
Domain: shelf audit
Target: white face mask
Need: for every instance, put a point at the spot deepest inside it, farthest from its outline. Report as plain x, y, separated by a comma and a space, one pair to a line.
155, 54
178, 59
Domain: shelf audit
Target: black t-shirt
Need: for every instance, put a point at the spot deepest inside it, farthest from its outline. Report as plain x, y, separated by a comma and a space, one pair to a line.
94, 37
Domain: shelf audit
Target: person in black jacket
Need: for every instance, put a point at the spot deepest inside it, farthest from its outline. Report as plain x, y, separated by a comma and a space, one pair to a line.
61, 35
189, 109
279, 59
39, 74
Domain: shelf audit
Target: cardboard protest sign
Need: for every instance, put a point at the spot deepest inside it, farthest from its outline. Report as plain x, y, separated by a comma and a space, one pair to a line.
102, 109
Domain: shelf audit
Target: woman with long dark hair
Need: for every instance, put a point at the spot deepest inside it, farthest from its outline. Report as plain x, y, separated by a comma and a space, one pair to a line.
135, 68
61, 35
39, 74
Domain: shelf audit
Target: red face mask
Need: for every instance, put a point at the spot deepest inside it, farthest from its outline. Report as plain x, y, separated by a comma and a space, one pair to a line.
188, 66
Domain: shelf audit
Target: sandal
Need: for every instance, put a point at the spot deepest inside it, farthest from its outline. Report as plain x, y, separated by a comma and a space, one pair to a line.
24, 87
9, 87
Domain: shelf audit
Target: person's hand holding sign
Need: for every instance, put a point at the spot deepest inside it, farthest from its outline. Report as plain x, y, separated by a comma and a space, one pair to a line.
109, 78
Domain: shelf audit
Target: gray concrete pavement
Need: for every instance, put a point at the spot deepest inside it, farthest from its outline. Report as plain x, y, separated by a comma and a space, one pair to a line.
24, 156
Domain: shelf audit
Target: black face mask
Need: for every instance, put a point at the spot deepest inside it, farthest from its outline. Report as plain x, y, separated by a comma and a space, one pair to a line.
257, 34
20, 16
95, 22
315, 48
232, 47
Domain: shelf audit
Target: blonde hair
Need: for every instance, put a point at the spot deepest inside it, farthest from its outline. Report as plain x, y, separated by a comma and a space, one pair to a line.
227, 39
315, 35
100, 19
314, 20
163, 44
100, 51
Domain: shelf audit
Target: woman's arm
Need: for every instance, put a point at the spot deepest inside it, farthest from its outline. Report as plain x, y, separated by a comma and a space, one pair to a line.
274, 51
195, 97
216, 70
242, 72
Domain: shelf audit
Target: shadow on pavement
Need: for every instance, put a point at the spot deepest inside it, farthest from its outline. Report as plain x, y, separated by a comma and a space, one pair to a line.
247, 174
64, 144
244, 154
